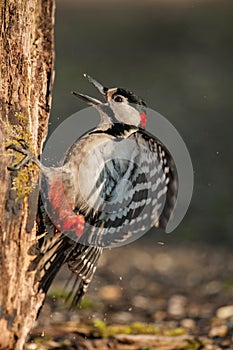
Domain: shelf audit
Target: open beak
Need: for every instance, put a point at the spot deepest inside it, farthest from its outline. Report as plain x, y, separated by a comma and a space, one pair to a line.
91, 100
96, 84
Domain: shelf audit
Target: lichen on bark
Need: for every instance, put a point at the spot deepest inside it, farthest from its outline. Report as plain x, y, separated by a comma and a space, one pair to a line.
26, 76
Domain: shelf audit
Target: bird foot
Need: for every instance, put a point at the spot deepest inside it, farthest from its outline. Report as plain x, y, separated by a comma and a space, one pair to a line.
24, 149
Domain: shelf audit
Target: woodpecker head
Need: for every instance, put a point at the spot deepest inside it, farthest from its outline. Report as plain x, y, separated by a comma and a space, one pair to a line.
119, 105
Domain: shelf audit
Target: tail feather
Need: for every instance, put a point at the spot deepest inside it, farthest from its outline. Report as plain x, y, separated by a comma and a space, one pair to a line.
76, 296
51, 261
85, 264
81, 260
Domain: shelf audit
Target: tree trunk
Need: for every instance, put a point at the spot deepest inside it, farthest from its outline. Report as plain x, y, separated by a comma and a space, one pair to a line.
26, 79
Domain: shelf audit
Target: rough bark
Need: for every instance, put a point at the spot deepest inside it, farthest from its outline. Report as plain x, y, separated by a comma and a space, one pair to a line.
26, 79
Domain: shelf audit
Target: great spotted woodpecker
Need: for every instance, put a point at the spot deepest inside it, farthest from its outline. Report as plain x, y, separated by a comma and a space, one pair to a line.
117, 181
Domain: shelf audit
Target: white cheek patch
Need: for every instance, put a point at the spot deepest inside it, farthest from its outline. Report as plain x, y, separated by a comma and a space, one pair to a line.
124, 113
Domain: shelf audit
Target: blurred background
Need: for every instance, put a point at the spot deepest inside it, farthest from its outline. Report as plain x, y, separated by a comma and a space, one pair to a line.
177, 55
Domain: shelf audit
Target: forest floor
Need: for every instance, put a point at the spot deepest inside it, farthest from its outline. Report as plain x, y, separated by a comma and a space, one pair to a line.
145, 296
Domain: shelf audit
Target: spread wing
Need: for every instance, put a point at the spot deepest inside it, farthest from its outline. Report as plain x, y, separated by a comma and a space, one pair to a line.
136, 189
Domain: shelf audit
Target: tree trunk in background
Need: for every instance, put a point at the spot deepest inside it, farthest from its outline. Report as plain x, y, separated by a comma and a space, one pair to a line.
26, 79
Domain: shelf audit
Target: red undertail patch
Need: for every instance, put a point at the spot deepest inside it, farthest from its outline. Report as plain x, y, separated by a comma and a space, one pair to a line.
62, 214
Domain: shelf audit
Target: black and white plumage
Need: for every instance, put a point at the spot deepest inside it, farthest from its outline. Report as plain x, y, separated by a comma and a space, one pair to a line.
118, 181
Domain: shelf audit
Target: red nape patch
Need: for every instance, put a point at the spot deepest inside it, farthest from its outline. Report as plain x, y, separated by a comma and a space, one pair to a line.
143, 119
62, 215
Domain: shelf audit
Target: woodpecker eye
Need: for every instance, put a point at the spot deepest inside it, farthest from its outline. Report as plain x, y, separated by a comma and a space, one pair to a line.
118, 99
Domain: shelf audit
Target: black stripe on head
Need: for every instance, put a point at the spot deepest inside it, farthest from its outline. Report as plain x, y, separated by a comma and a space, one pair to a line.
132, 98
